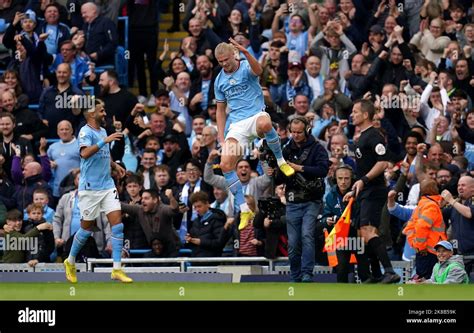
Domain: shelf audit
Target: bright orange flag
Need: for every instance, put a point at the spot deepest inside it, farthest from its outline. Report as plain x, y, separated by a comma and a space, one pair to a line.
340, 231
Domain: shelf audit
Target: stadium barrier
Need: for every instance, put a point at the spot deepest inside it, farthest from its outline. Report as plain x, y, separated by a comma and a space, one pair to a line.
403, 268
5, 268
186, 262
57, 267
39, 268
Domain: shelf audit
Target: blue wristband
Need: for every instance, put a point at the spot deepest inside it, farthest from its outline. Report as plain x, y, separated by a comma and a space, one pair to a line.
100, 144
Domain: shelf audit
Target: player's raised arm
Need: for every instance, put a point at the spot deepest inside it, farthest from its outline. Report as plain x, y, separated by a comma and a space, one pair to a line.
254, 64
87, 152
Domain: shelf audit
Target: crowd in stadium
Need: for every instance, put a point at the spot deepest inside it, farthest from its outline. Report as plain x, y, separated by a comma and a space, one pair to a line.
412, 59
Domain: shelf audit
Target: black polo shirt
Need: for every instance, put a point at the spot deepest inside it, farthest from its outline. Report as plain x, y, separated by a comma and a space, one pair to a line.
369, 150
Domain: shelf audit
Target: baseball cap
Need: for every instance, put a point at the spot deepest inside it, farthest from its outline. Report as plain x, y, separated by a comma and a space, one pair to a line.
447, 245
30, 15
295, 64
170, 138
377, 29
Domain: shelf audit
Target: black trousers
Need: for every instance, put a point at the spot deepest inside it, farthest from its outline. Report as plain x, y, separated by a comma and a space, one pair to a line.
424, 264
343, 267
143, 43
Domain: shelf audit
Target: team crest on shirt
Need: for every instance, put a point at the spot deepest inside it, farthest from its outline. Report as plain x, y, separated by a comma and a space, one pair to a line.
232, 81
358, 153
82, 134
380, 149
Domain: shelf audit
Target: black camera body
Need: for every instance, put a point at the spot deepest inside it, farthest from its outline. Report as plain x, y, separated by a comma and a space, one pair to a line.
272, 208
304, 190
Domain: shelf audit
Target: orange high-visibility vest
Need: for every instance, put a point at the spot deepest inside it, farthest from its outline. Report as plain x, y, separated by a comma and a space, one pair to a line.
426, 226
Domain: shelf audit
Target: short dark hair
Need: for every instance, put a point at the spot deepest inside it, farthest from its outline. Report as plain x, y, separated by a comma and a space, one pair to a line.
194, 162
277, 43
14, 215
413, 134
112, 75
153, 193
152, 138
199, 196
137, 179
149, 151
8, 115
199, 116
53, 4
67, 41
366, 106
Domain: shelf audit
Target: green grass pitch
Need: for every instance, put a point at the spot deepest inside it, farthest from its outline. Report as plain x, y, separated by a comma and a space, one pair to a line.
230, 291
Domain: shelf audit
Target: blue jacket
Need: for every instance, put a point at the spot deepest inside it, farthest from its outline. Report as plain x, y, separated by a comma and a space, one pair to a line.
333, 204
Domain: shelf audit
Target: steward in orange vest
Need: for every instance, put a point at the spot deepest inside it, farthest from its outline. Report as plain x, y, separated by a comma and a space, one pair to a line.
426, 228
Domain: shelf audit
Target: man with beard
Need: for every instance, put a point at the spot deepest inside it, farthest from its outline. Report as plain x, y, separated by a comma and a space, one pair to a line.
118, 102
10, 140
154, 216
202, 89
53, 112
28, 125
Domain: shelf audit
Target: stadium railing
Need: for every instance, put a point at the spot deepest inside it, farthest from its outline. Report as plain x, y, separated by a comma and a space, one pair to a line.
185, 261
141, 270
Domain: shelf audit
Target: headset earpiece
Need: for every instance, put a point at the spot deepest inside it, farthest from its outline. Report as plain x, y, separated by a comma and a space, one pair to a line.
307, 125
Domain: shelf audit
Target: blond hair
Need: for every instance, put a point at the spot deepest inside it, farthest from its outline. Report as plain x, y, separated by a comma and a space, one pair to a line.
224, 48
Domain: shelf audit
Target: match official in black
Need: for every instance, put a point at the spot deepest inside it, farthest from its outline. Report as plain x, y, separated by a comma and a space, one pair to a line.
370, 189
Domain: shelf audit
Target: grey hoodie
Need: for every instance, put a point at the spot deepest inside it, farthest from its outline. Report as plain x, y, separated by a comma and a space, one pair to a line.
456, 275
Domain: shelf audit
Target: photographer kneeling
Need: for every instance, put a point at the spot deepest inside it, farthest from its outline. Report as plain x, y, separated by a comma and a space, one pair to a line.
304, 192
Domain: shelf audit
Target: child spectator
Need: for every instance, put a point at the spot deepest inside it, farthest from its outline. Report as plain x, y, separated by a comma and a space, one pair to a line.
449, 269
250, 238
40, 196
12, 230
204, 237
45, 239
